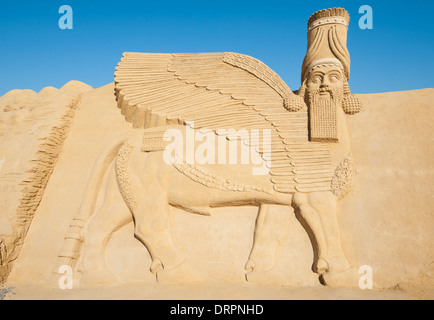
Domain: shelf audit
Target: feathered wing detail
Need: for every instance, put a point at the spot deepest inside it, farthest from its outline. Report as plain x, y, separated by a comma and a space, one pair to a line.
260, 70
224, 91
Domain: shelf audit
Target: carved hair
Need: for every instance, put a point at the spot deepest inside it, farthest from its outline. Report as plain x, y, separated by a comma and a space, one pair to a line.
339, 51
351, 104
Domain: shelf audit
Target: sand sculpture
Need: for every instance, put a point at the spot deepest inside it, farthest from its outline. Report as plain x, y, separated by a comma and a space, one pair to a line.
205, 131
309, 157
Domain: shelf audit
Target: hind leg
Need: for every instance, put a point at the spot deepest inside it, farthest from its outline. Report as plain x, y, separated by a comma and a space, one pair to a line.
113, 215
270, 230
152, 228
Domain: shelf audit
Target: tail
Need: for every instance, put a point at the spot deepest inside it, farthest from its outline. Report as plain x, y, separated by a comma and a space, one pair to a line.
72, 246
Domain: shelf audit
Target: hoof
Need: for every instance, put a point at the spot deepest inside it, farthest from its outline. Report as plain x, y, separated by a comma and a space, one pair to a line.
344, 279
250, 266
262, 274
321, 266
156, 266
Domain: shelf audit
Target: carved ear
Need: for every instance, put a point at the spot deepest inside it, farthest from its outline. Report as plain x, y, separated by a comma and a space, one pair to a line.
351, 104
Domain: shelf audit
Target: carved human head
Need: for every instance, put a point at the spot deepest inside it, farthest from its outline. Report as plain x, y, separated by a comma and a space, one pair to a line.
326, 67
325, 74
327, 80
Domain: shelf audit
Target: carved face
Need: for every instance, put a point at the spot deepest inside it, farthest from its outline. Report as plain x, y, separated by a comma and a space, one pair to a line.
325, 92
326, 81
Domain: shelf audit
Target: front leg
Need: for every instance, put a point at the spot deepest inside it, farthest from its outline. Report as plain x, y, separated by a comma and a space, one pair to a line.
325, 203
270, 229
317, 212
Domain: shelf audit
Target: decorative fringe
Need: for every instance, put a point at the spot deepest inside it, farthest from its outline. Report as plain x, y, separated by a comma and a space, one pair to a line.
326, 13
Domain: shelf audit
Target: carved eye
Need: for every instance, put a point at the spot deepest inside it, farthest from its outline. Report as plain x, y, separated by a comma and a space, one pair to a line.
316, 79
334, 78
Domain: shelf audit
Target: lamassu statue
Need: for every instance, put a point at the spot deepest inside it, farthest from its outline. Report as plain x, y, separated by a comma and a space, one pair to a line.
307, 153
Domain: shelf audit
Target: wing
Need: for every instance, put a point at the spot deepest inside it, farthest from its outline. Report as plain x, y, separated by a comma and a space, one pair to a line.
224, 91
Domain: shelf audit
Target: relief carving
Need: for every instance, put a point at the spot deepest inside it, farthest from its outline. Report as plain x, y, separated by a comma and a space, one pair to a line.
307, 155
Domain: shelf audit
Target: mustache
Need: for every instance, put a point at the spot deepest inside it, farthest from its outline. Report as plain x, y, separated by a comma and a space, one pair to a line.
325, 90
333, 93
322, 90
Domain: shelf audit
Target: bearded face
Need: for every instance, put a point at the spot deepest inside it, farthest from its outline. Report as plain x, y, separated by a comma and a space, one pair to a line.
324, 95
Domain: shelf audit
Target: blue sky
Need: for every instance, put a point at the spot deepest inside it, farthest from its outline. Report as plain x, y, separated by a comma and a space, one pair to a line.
397, 54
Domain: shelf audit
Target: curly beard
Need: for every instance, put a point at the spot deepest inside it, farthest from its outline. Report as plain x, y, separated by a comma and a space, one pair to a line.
323, 114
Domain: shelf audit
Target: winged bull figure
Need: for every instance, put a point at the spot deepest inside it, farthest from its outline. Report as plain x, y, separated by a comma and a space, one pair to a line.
308, 156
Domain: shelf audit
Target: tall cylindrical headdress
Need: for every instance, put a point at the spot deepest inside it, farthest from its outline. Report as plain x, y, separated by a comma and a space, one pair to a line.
327, 41
327, 45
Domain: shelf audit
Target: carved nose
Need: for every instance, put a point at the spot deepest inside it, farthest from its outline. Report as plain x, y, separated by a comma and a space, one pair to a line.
324, 86
325, 82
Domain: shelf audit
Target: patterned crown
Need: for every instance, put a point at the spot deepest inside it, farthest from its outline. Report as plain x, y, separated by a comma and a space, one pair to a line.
329, 16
